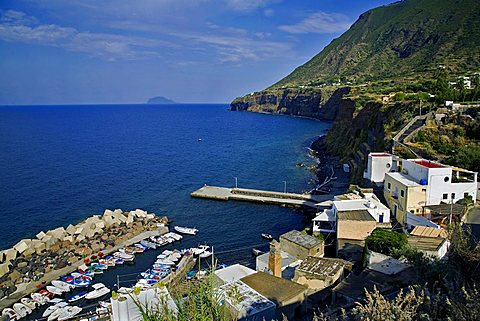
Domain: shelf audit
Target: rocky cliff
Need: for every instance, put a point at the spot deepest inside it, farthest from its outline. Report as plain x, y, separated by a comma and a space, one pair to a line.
307, 102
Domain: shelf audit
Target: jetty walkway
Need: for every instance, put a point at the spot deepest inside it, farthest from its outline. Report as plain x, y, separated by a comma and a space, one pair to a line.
257, 196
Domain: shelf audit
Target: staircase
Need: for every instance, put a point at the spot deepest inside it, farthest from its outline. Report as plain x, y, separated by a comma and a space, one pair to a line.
407, 133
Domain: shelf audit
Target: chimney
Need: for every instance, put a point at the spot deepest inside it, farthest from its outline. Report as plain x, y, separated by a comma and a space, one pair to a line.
275, 259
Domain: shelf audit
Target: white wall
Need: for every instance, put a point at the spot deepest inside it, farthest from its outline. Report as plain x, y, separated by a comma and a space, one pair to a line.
377, 166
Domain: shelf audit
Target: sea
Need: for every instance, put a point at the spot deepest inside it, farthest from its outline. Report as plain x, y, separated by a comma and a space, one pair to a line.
61, 164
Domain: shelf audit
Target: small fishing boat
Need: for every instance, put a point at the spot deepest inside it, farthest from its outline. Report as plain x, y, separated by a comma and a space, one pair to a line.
99, 266
86, 276
127, 250
267, 236
99, 290
77, 296
205, 254
69, 312
39, 298
29, 303
64, 286
54, 290
149, 244
56, 300
53, 308
186, 230
56, 313
124, 256
10, 314
118, 261
21, 310
141, 247
256, 252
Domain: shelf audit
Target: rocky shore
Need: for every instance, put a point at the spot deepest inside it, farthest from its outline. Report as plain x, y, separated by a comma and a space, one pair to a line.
32, 263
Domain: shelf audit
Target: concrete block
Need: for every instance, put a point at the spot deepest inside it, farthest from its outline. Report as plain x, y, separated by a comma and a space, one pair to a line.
10, 255
100, 224
57, 233
150, 216
70, 229
80, 238
40, 235
4, 269
21, 246
108, 212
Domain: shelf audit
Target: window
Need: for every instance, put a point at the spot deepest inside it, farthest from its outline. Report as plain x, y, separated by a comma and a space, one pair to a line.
445, 196
402, 193
388, 165
465, 195
389, 186
446, 179
424, 189
453, 196
418, 210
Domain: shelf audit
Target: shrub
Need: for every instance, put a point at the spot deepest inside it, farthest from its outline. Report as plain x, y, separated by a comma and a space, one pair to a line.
386, 241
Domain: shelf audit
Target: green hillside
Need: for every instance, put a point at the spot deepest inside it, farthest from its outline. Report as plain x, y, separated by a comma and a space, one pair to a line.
401, 39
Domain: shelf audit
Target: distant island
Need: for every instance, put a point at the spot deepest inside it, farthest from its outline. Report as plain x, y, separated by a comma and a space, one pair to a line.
160, 100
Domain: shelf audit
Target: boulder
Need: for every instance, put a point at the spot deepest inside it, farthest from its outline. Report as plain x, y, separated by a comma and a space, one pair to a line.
150, 216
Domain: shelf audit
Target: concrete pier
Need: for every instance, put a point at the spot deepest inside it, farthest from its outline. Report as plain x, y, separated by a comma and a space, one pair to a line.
257, 196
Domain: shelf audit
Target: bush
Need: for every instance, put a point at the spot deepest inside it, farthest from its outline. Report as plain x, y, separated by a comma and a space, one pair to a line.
386, 241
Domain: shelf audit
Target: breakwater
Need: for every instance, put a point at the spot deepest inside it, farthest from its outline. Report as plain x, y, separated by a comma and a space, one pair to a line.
32, 263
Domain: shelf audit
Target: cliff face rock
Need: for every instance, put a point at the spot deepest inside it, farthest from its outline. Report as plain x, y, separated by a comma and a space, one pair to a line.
306, 102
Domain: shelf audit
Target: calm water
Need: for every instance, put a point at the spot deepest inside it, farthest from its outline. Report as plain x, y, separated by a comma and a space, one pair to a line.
61, 164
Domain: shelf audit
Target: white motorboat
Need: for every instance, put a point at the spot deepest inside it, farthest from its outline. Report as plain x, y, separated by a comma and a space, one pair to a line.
64, 286
56, 313
52, 308
10, 314
186, 230
29, 303
40, 299
99, 290
205, 254
21, 310
124, 256
69, 312
54, 290
200, 249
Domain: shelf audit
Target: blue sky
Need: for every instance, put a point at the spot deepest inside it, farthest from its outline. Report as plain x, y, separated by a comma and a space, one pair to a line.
125, 51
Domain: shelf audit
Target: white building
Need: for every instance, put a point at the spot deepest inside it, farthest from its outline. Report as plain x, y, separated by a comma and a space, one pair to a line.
378, 164
325, 222
445, 184
244, 303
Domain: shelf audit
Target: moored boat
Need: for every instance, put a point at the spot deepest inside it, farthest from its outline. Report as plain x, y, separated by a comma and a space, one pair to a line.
77, 296
256, 252
64, 286
52, 309
54, 290
29, 303
21, 310
10, 314
267, 236
186, 230
99, 290
124, 256
69, 312
39, 298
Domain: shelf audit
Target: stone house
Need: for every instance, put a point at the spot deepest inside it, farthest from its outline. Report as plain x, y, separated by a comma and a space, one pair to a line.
301, 245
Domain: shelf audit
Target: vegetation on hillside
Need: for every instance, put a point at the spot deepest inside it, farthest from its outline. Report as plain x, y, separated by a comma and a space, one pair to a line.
405, 38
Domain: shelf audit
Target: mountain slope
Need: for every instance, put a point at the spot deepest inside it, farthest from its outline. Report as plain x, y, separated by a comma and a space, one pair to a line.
399, 39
